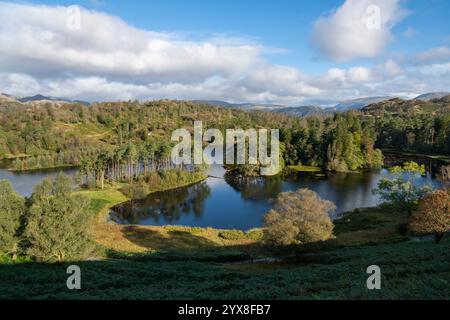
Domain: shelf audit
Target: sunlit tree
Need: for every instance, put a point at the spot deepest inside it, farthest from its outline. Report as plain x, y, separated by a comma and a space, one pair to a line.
401, 189
12, 208
433, 215
58, 222
299, 217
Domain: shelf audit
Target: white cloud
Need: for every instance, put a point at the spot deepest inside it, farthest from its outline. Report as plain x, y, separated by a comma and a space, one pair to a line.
389, 68
106, 45
433, 55
107, 59
357, 29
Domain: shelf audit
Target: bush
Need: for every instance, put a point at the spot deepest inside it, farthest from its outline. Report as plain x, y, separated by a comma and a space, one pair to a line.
138, 190
232, 234
299, 217
255, 234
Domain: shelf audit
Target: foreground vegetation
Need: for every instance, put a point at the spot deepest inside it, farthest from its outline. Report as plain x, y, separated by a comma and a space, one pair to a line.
411, 269
288, 259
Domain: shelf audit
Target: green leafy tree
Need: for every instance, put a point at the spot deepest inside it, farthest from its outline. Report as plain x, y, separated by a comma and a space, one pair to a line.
401, 190
58, 223
12, 208
299, 217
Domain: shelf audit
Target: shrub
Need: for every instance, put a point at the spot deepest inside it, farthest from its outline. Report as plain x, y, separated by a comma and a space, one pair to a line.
255, 234
232, 234
433, 215
299, 217
138, 190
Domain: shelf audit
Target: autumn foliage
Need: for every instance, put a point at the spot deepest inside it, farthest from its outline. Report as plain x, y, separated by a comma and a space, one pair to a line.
433, 215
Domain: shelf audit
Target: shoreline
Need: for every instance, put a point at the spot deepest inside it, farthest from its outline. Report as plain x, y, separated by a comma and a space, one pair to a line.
42, 169
438, 157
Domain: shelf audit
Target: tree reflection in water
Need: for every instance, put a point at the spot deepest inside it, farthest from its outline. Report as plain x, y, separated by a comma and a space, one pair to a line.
256, 188
167, 206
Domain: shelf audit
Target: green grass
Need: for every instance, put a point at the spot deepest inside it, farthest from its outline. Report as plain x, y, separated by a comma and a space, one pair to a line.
199, 263
300, 168
410, 270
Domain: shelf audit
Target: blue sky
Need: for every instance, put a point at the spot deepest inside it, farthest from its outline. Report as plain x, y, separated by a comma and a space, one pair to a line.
289, 39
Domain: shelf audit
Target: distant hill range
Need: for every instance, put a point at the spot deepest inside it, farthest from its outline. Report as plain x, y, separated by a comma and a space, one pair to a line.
38, 99
432, 96
300, 111
357, 104
436, 106
428, 101
354, 104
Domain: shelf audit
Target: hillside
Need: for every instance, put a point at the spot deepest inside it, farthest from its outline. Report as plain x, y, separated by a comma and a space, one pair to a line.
409, 107
432, 96
335, 269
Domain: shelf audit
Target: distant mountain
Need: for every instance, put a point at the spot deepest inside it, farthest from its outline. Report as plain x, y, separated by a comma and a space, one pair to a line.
244, 106
7, 98
216, 103
432, 96
44, 99
409, 107
38, 97
357, 104
302, 111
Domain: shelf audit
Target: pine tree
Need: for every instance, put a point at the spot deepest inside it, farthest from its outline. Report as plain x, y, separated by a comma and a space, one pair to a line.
58, 222
12, 207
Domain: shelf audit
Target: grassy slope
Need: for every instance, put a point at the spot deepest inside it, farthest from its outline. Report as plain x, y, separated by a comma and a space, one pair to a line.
140, 239
410, 269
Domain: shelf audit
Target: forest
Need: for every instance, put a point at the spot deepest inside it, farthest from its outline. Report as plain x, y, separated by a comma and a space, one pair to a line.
130, 138
122, 150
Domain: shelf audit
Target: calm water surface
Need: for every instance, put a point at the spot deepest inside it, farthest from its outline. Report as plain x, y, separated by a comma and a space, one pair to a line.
24, 182
221, 203
228, 204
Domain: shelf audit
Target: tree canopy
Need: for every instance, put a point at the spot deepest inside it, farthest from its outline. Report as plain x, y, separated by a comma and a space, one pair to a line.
299, 217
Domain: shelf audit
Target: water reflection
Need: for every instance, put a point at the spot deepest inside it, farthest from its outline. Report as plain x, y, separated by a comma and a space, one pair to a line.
230, 203
164, 207
24, 182
240, 203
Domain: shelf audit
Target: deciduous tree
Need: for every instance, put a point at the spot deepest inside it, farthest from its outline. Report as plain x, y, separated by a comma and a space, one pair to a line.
12, 208
401, 189
433, 215
299, 217
58, 223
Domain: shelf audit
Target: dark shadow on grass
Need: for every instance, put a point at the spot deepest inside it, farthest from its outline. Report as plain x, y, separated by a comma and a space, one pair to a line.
168, 241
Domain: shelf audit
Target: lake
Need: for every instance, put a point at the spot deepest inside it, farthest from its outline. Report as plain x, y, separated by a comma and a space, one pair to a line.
24, 182
229, 204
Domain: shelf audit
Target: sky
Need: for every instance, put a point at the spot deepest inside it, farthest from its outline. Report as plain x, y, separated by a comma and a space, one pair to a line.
285, 52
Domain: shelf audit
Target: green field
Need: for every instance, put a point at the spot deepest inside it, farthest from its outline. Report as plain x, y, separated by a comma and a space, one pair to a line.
411, 269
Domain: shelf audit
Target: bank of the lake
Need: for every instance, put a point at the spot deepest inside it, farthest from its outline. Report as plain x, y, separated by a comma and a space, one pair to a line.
444, 159
225, 202
191, 263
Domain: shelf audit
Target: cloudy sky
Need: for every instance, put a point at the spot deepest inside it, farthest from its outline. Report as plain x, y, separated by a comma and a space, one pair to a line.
288, 52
